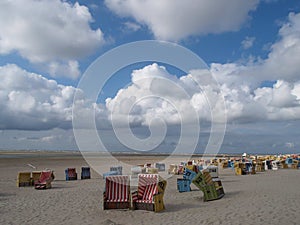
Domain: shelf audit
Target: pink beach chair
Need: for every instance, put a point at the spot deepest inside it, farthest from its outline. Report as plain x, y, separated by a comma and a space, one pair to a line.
117, 192
45, 180
150, 193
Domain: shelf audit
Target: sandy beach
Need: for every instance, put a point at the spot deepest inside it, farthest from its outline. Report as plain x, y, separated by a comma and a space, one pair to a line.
270, 197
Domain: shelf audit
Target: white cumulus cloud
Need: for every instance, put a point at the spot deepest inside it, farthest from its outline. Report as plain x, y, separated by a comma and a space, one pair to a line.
29, 101
51, 32
176, 19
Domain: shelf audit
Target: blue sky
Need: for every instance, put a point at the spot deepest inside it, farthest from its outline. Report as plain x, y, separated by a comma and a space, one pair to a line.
251, 48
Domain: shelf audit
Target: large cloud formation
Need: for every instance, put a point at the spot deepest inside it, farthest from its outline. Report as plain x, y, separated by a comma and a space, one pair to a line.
176, 19
54, 33
30, 101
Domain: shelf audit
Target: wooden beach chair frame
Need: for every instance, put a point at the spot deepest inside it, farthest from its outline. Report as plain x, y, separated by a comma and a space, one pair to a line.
24, 179
212, 188
44, 182
71, 174
150, 193
117, 192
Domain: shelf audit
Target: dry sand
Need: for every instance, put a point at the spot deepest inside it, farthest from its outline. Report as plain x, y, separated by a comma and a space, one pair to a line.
271, 197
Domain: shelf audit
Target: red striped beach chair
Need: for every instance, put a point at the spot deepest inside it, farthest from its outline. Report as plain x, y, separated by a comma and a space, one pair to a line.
117, 192
45, 180
150, 193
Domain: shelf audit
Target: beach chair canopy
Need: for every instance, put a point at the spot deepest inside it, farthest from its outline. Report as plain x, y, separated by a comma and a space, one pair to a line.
24, 179
117, 192
45, 180
71, 174
212, 188
149, 195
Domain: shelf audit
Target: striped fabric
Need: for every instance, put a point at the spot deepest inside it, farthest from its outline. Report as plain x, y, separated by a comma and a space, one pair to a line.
207, 177
45, 176
147, 187
117, 188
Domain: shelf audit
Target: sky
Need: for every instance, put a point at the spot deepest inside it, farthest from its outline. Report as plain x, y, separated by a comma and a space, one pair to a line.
251, 49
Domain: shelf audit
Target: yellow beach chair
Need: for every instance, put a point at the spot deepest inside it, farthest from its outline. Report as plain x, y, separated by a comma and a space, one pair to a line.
24, 179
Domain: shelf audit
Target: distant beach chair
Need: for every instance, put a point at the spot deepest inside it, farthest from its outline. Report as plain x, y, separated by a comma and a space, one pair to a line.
184, 184
173, 169
118, 169
180, 169
35, 176
213, 170
44, 182
85, 173
150, 193
151, 170
24, 179
160, 166
117, 192
71, 174
275, 164
192, 167
260, 166
268, 164
211, 187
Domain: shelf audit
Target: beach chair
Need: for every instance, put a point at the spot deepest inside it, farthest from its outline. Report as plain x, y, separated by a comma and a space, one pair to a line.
71, 174
150, 193
151, 170
192, 168
44, 182
118, 169
117, 192
184, 184
173, 169
211, 187
35, 176
160, 166
24, 179
213, 170
85, 173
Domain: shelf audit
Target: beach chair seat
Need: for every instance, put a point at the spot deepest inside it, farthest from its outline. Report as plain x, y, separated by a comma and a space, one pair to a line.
35, 176
24, 179
183, 185
150, 193
212, 188
85, 173
71, 174
117, 192
44, 182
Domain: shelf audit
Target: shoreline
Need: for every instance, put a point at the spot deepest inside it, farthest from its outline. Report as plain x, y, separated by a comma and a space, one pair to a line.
74, 153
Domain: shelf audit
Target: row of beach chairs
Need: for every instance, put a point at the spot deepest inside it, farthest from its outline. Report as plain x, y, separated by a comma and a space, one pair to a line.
43, 179
71, 173
149, 195
211, 187
38, 179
